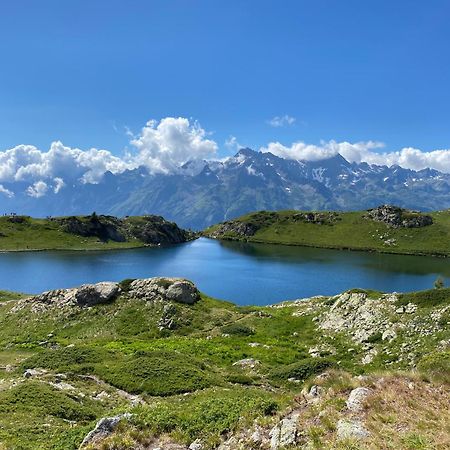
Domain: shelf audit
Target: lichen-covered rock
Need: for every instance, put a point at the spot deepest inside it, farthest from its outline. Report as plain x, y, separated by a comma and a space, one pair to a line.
285, 433
396, 217
357, 314
355, 401
175, 289
103, 429
93, 294
235, 227
248, 363
351, 429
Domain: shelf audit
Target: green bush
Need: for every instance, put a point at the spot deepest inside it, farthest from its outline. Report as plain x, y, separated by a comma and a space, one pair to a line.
44, 399
303, 369
205, 415
237, 329
75, 359
437, 366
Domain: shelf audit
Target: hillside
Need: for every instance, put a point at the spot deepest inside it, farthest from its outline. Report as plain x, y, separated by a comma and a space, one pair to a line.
87, 232
202, 193
385, 229
168, 367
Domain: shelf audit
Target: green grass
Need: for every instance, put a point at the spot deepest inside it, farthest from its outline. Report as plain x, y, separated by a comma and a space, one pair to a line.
186, 375
349, 230
25, 233
426, 299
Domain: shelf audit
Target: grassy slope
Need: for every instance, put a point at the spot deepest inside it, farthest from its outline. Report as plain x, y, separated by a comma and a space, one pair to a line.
352, 231
121, 344
43, 234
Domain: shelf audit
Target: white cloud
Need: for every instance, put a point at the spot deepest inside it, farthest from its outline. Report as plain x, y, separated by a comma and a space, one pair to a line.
58, 184
38, 189
163, 147
369, 152
6, 192
281, 121
233, 144
26, 162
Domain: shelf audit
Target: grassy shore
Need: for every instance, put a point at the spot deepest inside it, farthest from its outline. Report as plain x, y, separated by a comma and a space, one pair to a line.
25, 233
349, 230
220, 369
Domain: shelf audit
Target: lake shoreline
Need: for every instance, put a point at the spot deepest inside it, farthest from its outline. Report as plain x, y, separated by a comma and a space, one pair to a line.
330, 247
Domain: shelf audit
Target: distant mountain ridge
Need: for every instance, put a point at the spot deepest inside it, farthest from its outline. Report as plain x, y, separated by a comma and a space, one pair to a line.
202, 193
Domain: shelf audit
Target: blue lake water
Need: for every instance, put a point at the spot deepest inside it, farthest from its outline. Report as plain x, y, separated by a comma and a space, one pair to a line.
241, 272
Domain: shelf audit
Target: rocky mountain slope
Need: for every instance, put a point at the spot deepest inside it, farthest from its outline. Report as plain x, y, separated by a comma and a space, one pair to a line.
155, 364
385, 228
88, 232
200, 193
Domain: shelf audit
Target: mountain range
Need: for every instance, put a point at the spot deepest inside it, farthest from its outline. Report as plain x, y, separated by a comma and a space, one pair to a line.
201, 193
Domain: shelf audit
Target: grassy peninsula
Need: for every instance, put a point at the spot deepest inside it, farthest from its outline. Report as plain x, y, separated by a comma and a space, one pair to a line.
385, 229
93, 232
169, 367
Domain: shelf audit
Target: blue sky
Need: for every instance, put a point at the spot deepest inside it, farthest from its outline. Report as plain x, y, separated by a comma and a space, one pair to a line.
81, 71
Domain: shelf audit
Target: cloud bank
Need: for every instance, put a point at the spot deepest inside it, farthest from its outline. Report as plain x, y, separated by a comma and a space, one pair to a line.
164, 146
369, 152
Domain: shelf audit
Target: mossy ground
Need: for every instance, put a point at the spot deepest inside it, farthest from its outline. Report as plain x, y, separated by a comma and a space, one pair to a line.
186, 375
349, 230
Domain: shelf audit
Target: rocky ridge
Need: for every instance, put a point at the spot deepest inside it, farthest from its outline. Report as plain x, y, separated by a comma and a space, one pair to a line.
396, 217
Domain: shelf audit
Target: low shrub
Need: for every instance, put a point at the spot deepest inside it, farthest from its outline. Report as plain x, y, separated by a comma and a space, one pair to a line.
159, 373
426, 299
303, 369
43, 399
237, 329
75, 359
436, 366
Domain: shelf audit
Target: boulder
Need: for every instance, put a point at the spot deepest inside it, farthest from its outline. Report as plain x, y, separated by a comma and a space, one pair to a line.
355, 401
93, 294
248, 363
351, 429
103, 429
176, 289
285, 433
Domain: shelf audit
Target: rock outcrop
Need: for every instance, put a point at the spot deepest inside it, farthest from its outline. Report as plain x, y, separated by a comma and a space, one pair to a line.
176, 289
396, 217
87, 295
359, 315
152, 230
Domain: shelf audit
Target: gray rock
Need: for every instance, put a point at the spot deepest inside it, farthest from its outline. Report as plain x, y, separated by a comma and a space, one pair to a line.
285, 433
103, 429
351, 429
163, 289
356, 399
396, 217
196, 445
247, 363
93, 294
389, 335
183, 291
33, 372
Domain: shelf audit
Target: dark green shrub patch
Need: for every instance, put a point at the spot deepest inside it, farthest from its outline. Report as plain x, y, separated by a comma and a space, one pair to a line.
72, 359
158, 373
43, 399
303, 369
237, 329
426, 299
